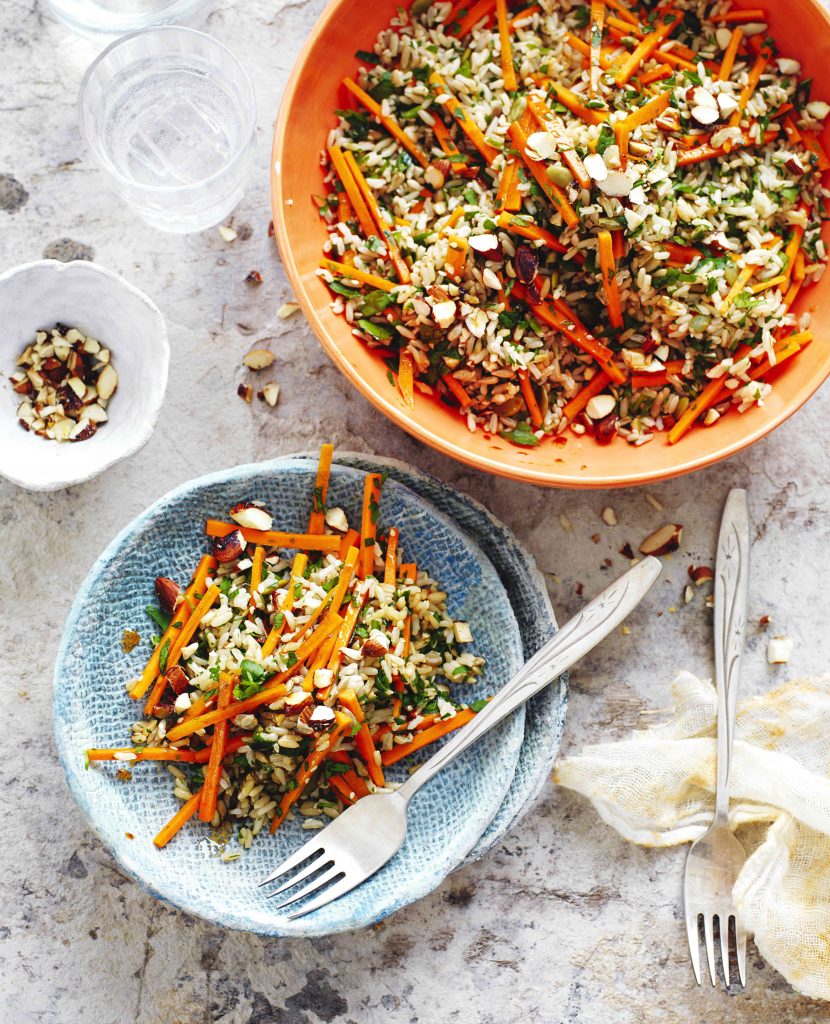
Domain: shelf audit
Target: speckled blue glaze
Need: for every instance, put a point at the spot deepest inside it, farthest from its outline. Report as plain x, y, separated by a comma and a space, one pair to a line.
460, 814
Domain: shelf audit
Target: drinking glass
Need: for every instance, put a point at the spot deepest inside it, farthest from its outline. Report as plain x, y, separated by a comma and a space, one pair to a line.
170, 116
117, 16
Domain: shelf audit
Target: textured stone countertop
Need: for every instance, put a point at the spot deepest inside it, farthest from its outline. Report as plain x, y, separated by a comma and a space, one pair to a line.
562, 921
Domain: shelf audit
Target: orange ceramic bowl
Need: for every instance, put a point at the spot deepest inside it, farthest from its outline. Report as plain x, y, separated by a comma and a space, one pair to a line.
801, 29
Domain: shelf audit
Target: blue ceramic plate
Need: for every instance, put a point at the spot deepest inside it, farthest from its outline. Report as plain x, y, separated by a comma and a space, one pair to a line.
464, 809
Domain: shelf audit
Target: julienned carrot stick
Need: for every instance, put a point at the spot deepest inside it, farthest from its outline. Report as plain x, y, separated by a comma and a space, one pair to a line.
508, 72
456, 256
532, 231
755, 73
748, 14
446, 143
663, 71
344, 636
180, 616
427, 736
298, 568
812, 143
350, 539
594, 387
369, 523
457, 391
729, 54
390, 566
699, 154
555, 194
334, 602
523, 15
356, 274
358, 205
183, 636
256, 577
622, 135
388, 122
192, 624
475, 13
380, 222
506, 183
317, 519
645, 49
463, 117
573, 102
363, 739
780, 281
274, 690
606, 59
346, 792
595, 25
563, 319
179, 819
553, 124
681, 255
623, 12
161, 753
648, 111
794, 244
783, 351
658, 378
708, 397
213, 772
408, 574
274, 538
309, 766
129, 755
533, 409
605, 246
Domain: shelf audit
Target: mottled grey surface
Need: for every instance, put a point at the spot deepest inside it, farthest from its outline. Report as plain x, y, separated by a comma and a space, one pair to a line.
563, 921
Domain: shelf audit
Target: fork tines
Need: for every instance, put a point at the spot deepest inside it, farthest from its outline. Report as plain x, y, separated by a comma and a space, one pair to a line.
732, 936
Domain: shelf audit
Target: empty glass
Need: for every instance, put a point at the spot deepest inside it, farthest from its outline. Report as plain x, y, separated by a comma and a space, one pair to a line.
169, 114
116, 16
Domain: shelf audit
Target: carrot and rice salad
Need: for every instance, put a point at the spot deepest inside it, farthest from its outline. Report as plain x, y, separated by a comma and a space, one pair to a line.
283, 685
577, 217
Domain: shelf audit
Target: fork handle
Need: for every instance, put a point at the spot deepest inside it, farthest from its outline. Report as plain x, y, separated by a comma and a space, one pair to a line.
578, 636
731, 593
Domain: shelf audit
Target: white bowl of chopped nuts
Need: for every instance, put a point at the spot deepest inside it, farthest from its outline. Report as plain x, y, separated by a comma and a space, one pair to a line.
83, 362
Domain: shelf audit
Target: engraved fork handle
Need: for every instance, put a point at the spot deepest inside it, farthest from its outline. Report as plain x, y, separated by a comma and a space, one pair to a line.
731, 592
578, 636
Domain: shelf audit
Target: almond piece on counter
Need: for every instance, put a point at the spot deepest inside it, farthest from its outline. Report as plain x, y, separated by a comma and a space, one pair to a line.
663, 541
258, 359
270, 394
700, 574
288, 309
779, 650
228, 234
252, 515
609, 516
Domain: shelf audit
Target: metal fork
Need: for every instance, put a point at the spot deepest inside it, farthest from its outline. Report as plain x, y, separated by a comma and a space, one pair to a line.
368, 834
715, 860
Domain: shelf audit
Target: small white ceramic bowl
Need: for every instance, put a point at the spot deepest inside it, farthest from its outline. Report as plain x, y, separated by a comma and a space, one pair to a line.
99, 303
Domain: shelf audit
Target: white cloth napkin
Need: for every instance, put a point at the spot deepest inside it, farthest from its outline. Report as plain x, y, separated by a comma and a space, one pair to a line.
657, 789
